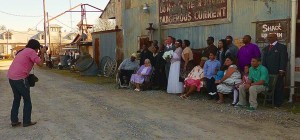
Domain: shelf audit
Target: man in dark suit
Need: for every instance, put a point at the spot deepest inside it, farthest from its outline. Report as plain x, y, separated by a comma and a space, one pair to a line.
169, 46
275, 58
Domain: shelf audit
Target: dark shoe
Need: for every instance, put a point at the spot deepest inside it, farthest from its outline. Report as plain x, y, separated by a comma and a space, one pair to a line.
15, 124
29, 124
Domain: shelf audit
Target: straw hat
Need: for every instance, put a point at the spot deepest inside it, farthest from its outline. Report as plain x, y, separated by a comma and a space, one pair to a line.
134, 55
204, 58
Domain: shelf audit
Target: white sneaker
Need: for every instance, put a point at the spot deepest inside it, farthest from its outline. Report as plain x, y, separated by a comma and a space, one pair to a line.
210, 93
213, 93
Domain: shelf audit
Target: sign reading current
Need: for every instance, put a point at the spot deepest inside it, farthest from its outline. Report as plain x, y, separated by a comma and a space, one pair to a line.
184, 11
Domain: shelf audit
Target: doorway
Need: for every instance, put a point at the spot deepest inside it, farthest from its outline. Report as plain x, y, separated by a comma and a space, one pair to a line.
143, 40
97, 53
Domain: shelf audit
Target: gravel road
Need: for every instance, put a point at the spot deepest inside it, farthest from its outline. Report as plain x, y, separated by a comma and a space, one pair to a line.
67, 108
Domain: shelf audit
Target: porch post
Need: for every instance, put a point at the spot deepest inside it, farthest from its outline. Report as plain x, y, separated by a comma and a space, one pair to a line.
293, 47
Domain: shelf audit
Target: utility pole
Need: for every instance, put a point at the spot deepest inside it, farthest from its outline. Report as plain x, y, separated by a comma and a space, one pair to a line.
7, 35
49, 36
45, 28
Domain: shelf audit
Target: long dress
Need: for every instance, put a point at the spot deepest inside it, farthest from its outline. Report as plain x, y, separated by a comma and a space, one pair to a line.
141, 75
174, 86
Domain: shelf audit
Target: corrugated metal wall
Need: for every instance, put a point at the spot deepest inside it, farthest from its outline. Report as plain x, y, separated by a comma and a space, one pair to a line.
244, 15
108, 44
135, 22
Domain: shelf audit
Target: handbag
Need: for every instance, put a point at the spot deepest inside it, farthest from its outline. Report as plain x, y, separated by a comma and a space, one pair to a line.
32, 79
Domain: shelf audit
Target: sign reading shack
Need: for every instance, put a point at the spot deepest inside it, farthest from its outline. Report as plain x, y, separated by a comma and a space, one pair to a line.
189, 11
279, 27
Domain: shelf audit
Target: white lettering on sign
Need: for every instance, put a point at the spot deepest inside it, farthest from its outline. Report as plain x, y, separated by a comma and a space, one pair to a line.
267, 28
265, 35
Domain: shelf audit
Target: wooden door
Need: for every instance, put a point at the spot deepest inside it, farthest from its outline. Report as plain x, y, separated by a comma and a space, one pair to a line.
97, 51
144, 41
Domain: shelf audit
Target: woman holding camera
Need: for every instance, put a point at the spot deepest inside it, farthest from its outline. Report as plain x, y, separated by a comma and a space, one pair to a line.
18, 79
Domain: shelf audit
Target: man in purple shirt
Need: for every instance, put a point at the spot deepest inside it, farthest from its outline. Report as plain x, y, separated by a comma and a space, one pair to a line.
247, 52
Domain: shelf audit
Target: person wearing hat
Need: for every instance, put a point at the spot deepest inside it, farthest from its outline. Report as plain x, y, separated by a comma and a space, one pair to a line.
195, 80
127, 68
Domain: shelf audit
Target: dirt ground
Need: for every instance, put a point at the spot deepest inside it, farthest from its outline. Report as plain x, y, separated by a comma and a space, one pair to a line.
66, 108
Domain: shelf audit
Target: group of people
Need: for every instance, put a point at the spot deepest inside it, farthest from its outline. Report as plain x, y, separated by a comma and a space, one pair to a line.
223, 69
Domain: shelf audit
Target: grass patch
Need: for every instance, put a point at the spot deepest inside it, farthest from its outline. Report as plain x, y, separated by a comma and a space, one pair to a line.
88, 79
295, 108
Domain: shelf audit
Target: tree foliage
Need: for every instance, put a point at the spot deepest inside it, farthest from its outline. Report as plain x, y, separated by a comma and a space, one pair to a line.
104, 24
2, 27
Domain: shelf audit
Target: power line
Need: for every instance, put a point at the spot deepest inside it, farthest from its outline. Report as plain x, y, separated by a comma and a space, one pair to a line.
18, 15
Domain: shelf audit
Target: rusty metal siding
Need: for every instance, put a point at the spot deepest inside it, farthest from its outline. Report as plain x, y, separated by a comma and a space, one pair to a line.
244, 15
108, 44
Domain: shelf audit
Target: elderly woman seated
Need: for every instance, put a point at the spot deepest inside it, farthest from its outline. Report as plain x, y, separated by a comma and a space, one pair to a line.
195, 80
141, 75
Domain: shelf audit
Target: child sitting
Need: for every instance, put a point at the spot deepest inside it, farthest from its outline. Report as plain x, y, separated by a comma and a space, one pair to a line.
210, 67
236, 90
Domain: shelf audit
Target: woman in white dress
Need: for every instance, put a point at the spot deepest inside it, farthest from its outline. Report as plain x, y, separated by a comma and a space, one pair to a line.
174, 86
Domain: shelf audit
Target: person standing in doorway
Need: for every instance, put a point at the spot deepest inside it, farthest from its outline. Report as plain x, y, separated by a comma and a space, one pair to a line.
17, 75
275, 60
145, 54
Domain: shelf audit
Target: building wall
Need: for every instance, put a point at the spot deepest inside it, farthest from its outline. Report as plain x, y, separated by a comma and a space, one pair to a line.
242, 22
244, 14
107, 44
135, 22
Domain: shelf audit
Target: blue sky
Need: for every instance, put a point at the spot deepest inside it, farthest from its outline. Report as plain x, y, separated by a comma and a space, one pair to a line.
53, 7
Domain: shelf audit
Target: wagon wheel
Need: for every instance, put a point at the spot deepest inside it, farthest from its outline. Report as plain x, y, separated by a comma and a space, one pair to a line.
113, 67
107, 68
103, 64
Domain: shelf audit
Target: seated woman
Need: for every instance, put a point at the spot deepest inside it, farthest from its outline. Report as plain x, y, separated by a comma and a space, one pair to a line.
140, 76
232, 76
194, 80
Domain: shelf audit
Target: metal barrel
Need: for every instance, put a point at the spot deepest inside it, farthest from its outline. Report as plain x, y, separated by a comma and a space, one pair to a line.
86, 66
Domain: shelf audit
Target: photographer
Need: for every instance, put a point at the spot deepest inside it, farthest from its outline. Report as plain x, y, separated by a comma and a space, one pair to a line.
18, 79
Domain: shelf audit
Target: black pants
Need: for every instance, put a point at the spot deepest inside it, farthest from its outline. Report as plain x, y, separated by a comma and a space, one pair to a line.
125, 75
278, 93
159, 78
20, 89
167, 69
211, 86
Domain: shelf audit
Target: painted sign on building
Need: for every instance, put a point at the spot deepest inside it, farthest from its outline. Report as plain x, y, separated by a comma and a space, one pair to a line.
279, 27
187, 11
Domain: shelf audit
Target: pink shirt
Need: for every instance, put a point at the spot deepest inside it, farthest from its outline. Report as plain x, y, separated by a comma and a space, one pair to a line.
22, 64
